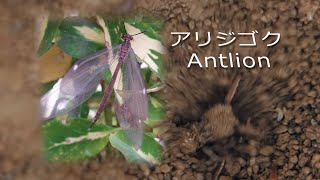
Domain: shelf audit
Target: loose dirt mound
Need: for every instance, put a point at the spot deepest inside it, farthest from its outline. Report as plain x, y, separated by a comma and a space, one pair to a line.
277, 108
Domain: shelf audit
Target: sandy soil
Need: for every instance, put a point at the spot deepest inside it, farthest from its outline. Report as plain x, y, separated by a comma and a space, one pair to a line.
289, 147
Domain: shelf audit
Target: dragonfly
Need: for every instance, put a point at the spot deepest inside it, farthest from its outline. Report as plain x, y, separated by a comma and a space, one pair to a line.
82, 79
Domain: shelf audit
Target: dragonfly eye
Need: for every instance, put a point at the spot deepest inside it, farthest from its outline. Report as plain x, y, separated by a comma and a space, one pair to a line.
126, 36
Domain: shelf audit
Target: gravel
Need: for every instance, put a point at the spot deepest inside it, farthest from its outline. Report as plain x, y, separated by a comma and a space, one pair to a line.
278, 134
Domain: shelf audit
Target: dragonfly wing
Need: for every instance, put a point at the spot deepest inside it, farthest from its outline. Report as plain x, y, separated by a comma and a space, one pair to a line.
132, 105
79, 83
77, 80
55, 102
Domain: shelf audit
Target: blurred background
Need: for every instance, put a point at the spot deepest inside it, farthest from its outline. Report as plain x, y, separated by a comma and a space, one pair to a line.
290, 148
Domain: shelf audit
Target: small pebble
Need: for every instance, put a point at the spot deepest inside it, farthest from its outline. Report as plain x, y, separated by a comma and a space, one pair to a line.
293, 159
191, 25
280, 129
225, 178
165, 168
315, 159
266, 151
306, 170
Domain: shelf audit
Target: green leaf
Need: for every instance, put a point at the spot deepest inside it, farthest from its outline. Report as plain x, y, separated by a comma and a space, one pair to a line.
47, 86
113, 29
147, 75
80, 36
152, 26
50, 28
156, 110
74, 140
147, 46
84, 110
150, 150
155, 60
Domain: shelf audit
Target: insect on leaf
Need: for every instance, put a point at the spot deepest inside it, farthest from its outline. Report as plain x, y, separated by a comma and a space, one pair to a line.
81, 81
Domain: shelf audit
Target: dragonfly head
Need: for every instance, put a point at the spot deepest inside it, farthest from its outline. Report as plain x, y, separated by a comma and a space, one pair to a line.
127, 37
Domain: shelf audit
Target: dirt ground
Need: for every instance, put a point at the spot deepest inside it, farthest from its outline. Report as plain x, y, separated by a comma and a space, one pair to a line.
276, 110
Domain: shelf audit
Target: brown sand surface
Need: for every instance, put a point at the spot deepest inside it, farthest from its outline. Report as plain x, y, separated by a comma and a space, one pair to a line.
277, 131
